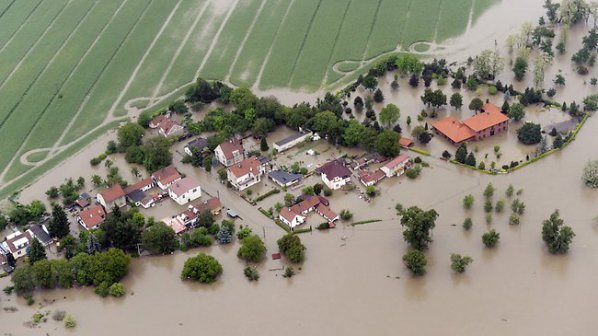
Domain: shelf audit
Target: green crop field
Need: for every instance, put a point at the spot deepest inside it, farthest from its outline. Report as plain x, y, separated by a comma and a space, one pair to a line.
70, 68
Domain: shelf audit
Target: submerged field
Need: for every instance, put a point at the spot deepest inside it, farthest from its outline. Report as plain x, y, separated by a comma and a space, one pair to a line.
70, 66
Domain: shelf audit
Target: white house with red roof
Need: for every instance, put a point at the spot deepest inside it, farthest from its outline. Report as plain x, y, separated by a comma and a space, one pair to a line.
246, 173
111, 197
370, 178
154, 123
230, 152
335, 174
296, 214
169, 127
184, 190
17, 243
291, 218
92, 217
166, 176
396, 166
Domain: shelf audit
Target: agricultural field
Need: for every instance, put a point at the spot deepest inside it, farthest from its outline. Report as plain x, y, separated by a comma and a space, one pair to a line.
70, 68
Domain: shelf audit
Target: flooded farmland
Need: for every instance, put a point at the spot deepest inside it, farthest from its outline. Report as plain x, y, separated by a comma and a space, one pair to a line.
353, 281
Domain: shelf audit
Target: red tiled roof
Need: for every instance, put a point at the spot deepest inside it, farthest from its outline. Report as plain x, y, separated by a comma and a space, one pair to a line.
368, 176
334, 169
139, 185
167, 124
184, 185
454, 129
113, 193
397, 161
10, 242
490, 117
245, 167
158, 120
211, 204
93, 216
326, 212
166, 175
405, 142
229, 147
305, 205
288, 214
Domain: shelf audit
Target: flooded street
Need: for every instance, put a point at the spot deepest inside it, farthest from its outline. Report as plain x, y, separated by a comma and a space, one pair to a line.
353, 281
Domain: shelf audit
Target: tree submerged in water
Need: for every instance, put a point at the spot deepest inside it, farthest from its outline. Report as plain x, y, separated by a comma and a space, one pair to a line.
556, 235
590, 174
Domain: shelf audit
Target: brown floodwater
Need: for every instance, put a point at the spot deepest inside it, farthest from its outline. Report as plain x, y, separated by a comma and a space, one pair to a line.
353, 281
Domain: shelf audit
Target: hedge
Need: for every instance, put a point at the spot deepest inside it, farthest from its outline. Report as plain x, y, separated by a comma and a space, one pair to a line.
268, 194
420, 151
366, 222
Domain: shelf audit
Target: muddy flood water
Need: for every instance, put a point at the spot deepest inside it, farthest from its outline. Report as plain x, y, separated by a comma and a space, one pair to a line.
353, 281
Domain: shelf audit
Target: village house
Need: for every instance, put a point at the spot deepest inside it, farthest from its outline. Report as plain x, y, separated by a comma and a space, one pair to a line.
291, 141
17, 243
92, 217
284, 178
111, 197
246, 173
176, 224
184, 190
335, 174
166, 126
296, 214
164, 177
213, 204
200, 144
190, 217
41, 233
230, 152
396, 166
370, 178
154, 123
136, 195
487, 123
405, 142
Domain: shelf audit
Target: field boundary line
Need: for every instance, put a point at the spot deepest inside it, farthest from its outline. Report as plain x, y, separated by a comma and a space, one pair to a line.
338, 33
367, 44
470, 21
46, 67
242, 45
54, 96
84, 102
302, 45
179, 50
10, 112
124, 91
7, 8
258, 79
216, 38
12, 36
33, 46
440, 10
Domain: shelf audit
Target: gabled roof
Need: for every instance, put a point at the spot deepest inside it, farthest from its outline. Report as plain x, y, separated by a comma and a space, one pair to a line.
146, 182
175, 224
166, 175
17, 239
113, 193
397, 161
41, 234
284, 177
368, 176
454, 129
405, 142
326, 212
305, 205
289, 139
211, 204
334, 169
490, 117
157, 120
199, 143
92, 216
288, 214
166, 125
230, 147
249, 165
182, 186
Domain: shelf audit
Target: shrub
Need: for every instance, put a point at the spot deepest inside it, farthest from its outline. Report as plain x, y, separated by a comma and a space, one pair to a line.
202, 268
346, 215
252, 249
590, 174
510, 191
518, 207
251, 273
323, 226
500, 206
117, 289
468, 201
490, 238
244, 233
371, 191
492, 90
489, 218
514, 219
460, 263
416, 262
467, 224
488, 206
289, 272
70, 322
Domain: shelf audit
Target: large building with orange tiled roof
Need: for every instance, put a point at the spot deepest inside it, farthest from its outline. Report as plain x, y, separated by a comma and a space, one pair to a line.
482, 125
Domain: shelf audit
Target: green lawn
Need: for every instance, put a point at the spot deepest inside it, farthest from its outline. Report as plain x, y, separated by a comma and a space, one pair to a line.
66, 64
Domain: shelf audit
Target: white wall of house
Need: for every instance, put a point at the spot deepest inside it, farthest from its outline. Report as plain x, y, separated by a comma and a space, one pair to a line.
395, 171
237, 157
291, 144
335, 183
298, 220
120, 202
186, 197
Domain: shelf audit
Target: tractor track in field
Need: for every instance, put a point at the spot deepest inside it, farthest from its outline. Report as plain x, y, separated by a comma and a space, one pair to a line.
178, 52
245, 38
21, 61
7, 8
216, 38
20, 26
124, 91
367, 44
87, 96
441, 5
302, 45
338, 33
267, 58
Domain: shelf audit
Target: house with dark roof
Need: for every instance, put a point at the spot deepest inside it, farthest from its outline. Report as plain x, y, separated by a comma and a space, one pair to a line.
246, 173
136, 195
482, 125
111, 197
42, 234
284, 178
230, 152
335, 174
92, 217
166, 176
199, 144
291, 141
